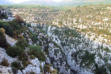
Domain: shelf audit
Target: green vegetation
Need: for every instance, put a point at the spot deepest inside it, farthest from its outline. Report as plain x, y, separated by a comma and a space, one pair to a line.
71, 32
88, 59
37, 52
47, 68
107, 49
100, 70
18, 49
7, 27
22, 43
14, 51
24, 59
16, 65
34, 38
12, 28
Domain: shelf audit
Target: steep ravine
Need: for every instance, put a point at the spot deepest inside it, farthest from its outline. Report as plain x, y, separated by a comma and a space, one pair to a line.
73, 67
79, 54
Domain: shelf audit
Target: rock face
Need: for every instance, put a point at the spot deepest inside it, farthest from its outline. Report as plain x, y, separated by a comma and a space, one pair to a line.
3, 55
33, 67
10, 40
22, 63
5, 70
72, 53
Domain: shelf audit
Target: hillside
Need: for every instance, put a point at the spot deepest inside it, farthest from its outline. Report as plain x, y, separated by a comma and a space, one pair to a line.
50, 49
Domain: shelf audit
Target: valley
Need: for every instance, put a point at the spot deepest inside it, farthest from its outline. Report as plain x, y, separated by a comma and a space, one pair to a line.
92, 21
50, 40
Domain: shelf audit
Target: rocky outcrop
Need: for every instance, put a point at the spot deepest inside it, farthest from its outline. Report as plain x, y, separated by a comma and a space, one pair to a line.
10, 40
5, 70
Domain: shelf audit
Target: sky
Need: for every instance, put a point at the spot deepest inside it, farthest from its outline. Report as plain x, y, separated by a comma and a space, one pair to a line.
46, 1
56, 1
20, 1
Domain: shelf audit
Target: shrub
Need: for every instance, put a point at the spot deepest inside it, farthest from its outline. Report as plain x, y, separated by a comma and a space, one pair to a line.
100, 70
32, 56
87, 58
54, 71
19, 19
12, 28
18, 49
107, 49
16, 66
3, 42
4, 62
36, 51
2, 30
34, 38
16, 27
7, 27
14, 51
22, 43
47, 68
24, 58
25, 63
32, 73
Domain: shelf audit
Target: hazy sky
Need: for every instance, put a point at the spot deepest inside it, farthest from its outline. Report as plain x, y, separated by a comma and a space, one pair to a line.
46, 1
56, 1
